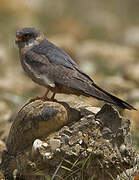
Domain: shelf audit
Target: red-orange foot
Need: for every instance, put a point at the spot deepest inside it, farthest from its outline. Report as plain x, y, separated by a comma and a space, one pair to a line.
43, 98
53, 100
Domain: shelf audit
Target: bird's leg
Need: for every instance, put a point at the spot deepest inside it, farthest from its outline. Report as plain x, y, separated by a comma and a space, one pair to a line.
52, 98
46, 94
43, 98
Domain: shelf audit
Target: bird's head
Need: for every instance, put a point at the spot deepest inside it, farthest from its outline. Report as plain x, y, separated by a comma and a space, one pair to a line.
28, 37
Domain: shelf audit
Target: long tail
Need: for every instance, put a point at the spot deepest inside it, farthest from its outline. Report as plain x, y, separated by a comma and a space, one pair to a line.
103, 95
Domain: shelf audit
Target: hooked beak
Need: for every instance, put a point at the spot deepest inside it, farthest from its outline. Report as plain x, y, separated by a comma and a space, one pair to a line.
18, 39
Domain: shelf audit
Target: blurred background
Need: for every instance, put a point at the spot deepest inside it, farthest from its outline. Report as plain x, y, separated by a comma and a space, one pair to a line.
101, 36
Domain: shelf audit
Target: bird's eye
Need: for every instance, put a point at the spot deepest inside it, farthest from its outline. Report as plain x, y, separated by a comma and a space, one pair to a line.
26, 36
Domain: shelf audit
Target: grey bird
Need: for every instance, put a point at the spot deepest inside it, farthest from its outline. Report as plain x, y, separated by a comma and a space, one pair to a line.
51, 67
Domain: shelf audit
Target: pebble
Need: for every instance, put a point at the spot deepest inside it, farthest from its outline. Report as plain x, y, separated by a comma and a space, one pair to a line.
54, 144
123, 148
37, 144
89, 149
47, 155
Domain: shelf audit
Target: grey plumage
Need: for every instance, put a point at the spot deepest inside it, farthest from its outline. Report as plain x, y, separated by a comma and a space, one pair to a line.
51, 67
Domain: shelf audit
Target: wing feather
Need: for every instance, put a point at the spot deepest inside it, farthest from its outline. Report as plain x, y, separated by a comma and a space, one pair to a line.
54, 54
38, 68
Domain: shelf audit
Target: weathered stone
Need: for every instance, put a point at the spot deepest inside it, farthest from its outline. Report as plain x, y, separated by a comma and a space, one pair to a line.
54, 144
53, 139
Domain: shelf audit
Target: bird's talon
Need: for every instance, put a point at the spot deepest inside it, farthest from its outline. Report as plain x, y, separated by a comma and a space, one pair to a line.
54, 100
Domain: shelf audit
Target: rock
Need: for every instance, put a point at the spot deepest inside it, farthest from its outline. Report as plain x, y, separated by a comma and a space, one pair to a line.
54, 144
52, 117
123, 149
57, 139
37, 144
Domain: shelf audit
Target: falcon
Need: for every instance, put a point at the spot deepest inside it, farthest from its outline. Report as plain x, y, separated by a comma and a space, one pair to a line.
51, 67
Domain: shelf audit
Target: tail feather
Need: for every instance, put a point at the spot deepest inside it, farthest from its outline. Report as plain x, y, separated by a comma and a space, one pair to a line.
103, 95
